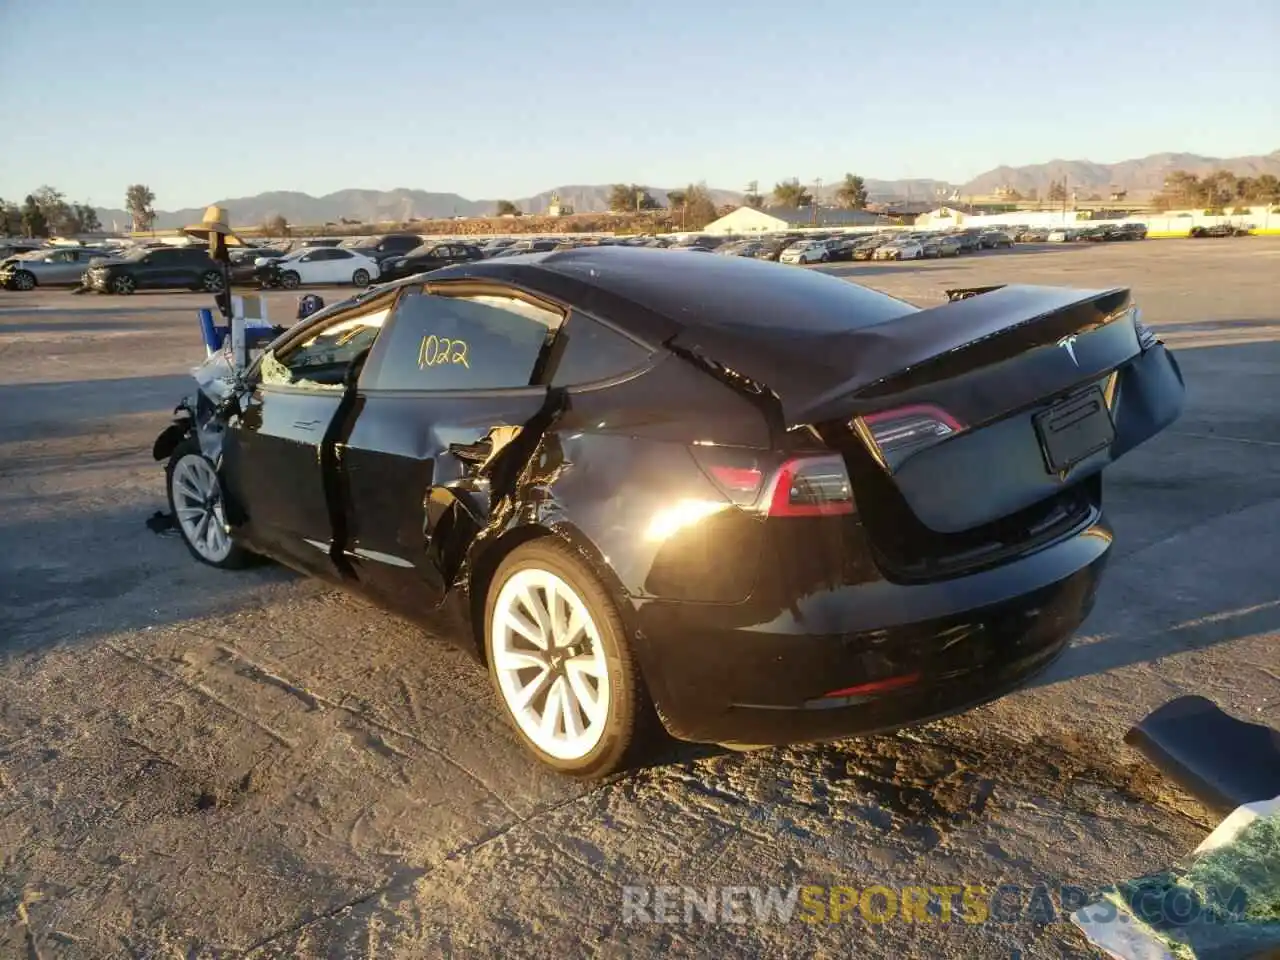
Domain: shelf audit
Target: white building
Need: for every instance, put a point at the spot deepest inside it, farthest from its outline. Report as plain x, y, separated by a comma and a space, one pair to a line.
748, 220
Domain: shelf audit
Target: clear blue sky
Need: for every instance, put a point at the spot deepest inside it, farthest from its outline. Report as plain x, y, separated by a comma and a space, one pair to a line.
504, 98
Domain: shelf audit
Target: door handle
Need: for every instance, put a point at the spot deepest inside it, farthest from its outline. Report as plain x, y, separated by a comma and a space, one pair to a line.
306, 424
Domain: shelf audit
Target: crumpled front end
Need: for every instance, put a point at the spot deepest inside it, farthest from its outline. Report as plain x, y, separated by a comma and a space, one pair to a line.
198, 414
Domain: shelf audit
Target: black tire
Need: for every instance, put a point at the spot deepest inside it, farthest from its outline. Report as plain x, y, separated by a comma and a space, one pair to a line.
236, 557
23, 280
290, 280
825, 258
360, 278
123, 284
211, 282
630, 719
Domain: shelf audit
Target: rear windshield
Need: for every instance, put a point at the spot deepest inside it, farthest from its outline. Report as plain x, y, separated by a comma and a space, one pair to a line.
752, 297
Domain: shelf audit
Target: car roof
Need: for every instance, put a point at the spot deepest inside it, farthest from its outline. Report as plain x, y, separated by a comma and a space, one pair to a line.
768, 321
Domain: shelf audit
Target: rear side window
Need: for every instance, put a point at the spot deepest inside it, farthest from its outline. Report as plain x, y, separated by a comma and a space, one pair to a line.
461, 343
590, 351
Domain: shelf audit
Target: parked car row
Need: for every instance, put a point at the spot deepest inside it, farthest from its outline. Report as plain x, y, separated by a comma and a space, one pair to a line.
1101, 233
1221, 230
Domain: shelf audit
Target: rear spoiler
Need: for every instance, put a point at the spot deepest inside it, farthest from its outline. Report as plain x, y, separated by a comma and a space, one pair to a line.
834, 374
947, 340
964, 293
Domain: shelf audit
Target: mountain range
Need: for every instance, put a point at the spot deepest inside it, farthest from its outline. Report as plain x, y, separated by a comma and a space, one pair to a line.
1140, 178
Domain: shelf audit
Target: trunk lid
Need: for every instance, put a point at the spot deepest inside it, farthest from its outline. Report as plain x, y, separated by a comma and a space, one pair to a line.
985, 409
975, 431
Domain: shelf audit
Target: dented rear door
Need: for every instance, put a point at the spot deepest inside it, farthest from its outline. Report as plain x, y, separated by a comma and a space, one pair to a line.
444, 397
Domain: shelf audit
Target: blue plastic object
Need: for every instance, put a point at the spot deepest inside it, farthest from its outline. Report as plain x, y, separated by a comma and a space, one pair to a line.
213, 336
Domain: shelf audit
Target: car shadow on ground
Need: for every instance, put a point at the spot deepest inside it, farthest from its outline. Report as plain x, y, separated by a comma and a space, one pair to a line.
83, 576
88, 323
1091, 655
35, 405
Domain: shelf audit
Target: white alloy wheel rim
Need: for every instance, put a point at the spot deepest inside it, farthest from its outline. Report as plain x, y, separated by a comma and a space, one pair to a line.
197, 500
550, 664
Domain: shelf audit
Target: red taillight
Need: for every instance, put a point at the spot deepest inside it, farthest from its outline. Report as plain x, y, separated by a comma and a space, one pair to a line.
811, 487
815, 486
900, 432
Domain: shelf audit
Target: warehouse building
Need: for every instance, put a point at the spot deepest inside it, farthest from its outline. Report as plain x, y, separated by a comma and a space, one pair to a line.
748, 220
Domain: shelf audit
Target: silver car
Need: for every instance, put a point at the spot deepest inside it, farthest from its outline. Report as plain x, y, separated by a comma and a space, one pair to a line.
50, 267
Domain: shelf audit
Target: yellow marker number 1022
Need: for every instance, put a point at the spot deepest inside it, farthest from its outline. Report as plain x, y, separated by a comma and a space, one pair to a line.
434, 351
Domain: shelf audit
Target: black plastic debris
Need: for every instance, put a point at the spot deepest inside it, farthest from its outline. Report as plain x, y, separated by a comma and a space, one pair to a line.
162, 524
1221, 761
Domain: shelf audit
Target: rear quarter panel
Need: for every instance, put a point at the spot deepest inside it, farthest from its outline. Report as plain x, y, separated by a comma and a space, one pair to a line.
616, 464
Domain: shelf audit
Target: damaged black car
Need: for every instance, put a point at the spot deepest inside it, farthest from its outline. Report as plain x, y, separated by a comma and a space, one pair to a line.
755, 505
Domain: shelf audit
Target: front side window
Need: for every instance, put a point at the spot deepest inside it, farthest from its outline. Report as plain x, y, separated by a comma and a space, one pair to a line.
475, 342
324, 355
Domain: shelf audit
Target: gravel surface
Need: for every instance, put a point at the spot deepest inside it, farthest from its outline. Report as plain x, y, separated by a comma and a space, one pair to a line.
196, 763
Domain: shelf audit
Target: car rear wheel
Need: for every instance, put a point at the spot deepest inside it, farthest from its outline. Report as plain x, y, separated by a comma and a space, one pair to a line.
290, 280
360, 278
123, 284
23, 280
560, 663
211, 282
199, 508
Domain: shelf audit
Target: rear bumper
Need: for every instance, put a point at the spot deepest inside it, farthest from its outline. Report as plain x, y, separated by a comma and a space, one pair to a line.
754, 673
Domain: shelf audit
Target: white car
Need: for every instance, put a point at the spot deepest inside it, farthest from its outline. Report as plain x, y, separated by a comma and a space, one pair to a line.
1060, 236
323, 265
905, 249
805, 251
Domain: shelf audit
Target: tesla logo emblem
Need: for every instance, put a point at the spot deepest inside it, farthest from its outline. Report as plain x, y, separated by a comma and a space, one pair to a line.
1068, 344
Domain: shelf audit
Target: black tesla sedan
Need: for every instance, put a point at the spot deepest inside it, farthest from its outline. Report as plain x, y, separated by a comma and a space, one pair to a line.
758, 504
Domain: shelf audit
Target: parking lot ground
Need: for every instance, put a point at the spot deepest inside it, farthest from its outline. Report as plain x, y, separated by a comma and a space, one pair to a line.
196, 763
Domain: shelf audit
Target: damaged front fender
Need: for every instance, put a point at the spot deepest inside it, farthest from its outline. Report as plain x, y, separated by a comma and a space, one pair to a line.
182, 426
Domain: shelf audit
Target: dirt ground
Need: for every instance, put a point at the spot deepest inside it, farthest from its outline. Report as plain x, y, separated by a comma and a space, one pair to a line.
198, 764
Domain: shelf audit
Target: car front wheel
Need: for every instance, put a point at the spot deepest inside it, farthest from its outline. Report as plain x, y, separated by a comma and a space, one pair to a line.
360, 278
123, 284
211, 282
199, 508
290, 280
23, 280
560, 662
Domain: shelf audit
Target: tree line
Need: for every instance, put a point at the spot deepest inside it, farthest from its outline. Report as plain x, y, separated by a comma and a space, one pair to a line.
46, 212
850, 194
1216, 190
693, 207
